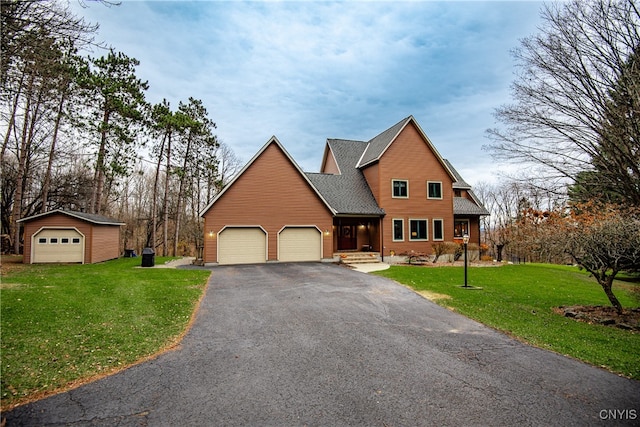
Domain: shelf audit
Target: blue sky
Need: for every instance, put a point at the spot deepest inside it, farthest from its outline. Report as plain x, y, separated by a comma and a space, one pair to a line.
308, 71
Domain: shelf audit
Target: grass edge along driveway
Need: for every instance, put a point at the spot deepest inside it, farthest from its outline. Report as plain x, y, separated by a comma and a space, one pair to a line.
64, 324
519, 300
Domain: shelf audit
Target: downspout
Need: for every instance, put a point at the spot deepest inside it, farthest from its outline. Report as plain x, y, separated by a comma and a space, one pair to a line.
382, 238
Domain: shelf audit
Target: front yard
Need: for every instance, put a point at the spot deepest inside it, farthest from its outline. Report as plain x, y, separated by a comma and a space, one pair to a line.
522, 300
67, 323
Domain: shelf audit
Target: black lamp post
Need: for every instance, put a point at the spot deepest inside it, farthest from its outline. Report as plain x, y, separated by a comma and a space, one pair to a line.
465, 241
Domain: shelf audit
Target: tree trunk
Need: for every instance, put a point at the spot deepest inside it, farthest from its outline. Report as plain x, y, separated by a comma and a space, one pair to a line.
98, 177
154, 196
16, 210
185, 163
166, 200
52, 149
607, 284
12, 120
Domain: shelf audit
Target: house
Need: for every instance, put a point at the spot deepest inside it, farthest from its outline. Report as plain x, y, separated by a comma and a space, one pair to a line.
392, 194
68, 236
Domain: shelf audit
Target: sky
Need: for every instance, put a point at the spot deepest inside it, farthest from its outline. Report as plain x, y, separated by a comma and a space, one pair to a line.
312, 70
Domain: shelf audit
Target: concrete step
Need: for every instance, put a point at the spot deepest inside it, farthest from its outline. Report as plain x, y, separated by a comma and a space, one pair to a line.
359, 257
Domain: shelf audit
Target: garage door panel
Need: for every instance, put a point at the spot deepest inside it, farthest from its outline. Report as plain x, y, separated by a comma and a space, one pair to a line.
300, 244
242, 246
58, 245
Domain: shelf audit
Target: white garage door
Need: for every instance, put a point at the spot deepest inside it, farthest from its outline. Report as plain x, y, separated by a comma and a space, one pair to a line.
58, 245
300, 244
242, 246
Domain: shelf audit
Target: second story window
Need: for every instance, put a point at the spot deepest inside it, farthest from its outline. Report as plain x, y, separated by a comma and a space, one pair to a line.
434, 190
400, 188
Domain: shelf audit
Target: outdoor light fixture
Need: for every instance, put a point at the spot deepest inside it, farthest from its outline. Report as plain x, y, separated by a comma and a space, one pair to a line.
326, 232
465, 241
211, 234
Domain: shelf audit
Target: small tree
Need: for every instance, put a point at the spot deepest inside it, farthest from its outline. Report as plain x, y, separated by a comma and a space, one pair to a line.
604, 244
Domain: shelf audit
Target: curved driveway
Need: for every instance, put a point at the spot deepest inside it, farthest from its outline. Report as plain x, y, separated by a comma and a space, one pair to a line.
322, 345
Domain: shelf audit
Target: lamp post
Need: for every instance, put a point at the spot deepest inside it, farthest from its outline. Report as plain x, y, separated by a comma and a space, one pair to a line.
465, 241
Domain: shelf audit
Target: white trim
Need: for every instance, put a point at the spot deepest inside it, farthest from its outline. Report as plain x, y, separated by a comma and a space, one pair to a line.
71, 214
393, 230
426, 139
433, 222
392, 188
49, 227
426, 222
441, 190
324, 158
362, 155
273, 140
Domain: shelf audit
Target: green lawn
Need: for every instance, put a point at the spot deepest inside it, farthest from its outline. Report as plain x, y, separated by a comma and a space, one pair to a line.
62, 323
518, 299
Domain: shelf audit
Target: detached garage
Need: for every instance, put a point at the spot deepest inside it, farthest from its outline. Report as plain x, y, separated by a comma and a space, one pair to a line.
62, 236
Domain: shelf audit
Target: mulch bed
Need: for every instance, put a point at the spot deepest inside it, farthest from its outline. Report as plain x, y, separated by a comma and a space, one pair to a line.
603, 315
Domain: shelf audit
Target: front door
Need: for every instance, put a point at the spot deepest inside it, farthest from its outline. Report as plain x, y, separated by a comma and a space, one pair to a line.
347, 238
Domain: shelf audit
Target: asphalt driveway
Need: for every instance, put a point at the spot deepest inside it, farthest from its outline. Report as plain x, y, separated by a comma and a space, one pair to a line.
321, 345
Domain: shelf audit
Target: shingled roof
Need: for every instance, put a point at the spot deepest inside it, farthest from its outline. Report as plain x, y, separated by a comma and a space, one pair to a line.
93, 218
347, 193
459, 182
464, 206
378, 144
461, 205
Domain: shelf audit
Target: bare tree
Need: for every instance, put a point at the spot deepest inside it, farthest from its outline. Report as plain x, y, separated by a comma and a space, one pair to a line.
562, 92
604, 243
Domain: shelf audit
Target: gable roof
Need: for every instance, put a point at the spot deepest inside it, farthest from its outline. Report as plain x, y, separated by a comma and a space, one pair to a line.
379, 144
92, 218
271, 141
348, 193
459, 182
462, 205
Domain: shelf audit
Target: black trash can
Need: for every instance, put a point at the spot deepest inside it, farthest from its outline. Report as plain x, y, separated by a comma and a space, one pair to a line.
148, 257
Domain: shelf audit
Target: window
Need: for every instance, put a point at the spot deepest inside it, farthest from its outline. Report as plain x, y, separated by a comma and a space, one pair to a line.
460, 228
400, 188
64, 240
434, 190
418, 229
398, 230
438, 229
76, 240
53, 240
42, 240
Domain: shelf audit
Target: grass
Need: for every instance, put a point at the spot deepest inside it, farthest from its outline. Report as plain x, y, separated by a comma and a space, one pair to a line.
519, 300
65, 323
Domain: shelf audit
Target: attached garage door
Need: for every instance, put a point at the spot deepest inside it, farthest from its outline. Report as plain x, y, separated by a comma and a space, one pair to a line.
58, 245
242, 246
300, 244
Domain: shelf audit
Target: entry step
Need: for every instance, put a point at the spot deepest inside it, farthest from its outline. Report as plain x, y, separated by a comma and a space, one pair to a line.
358, 257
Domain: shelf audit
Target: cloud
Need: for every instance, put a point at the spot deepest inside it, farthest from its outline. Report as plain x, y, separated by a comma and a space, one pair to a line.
306, 71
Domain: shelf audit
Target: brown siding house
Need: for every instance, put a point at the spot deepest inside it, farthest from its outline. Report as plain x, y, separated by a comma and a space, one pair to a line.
391, 194
68, 236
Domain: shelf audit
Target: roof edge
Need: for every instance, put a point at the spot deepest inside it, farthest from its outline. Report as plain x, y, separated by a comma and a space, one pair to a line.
272, 140
74, 214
